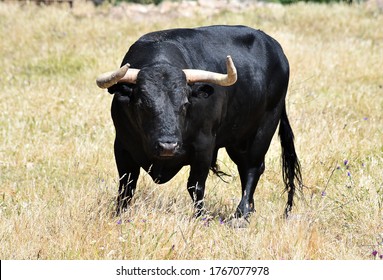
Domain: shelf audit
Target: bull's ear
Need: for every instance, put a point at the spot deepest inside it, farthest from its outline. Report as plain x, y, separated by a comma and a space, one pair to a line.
202, 91
122, 89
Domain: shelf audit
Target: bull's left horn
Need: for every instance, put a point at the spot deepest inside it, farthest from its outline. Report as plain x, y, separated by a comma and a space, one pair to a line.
193, 75
124, 74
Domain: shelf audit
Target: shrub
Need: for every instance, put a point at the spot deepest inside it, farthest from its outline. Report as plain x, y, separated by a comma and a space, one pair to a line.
156, 2
313, 1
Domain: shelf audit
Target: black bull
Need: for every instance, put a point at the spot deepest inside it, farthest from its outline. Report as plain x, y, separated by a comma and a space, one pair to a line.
167, 116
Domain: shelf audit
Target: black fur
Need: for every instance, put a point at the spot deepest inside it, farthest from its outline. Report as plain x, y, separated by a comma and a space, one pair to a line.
161, 110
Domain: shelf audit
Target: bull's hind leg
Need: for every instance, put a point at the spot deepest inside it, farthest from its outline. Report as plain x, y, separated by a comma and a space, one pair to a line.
249, 172
249, 157
128, 172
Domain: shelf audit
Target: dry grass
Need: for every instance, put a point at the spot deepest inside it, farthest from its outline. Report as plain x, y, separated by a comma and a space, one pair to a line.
57, 173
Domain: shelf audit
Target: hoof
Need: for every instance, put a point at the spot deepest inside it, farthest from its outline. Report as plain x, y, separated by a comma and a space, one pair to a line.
199, 213
238, 223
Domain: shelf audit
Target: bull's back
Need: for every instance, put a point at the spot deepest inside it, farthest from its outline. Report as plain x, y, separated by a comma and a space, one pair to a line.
206, 47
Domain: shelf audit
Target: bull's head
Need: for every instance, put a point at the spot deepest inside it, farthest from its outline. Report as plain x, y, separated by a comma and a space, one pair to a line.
160, 96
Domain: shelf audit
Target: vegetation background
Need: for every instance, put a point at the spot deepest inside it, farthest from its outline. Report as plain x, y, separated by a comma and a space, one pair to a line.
58, 179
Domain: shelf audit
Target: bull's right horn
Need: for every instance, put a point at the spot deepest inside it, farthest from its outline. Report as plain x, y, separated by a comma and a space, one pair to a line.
124, 74
196, 75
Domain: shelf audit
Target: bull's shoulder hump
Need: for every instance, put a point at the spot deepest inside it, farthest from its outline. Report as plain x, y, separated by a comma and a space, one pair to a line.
168, 35
237, 35
228, 30
191, 33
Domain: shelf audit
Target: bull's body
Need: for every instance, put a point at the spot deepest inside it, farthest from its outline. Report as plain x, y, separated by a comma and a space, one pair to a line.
162, 123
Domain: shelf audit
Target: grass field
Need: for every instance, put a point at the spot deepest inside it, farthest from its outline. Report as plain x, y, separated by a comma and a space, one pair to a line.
58, 179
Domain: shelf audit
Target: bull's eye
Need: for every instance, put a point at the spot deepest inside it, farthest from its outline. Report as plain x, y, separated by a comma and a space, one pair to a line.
184, 107
137, 101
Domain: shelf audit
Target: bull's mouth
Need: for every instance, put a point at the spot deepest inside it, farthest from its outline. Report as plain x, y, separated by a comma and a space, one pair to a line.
167, 154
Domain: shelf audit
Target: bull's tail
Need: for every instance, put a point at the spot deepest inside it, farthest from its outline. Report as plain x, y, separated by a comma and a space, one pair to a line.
290, 163
215, 168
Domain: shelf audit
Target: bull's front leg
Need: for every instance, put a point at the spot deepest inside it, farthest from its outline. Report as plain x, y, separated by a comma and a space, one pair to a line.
199, 170
128, 172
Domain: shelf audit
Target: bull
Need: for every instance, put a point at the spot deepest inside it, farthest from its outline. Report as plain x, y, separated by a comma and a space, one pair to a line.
177, 101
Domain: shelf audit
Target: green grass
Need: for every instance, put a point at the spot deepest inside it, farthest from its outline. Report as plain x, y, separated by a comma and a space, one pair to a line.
58, 179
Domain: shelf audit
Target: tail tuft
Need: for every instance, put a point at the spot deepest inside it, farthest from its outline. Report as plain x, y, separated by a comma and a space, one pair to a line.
291, 168
216, 170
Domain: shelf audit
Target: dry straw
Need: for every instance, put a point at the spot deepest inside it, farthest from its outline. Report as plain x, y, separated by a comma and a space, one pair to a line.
57, 174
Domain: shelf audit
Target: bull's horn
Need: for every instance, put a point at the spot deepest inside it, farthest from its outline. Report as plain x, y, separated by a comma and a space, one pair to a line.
228, 79
124, 74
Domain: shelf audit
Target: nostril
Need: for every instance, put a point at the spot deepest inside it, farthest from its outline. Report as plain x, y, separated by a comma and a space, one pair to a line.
167, 148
